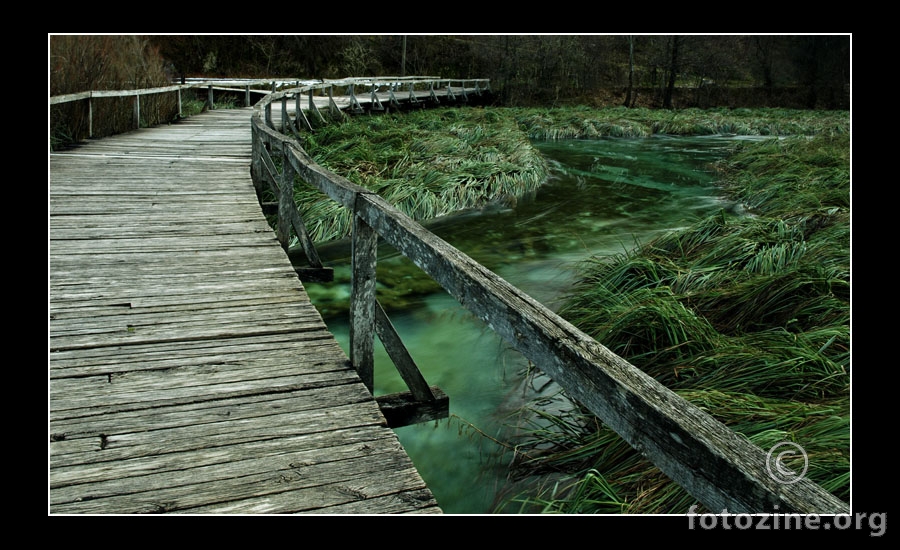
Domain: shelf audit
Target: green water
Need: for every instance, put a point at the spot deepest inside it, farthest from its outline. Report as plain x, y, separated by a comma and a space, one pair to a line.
604, 196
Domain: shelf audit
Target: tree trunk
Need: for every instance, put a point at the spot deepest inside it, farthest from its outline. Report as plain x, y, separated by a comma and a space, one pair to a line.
673, 70
629, 97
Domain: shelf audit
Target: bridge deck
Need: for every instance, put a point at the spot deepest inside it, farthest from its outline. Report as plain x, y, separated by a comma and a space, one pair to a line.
188, 371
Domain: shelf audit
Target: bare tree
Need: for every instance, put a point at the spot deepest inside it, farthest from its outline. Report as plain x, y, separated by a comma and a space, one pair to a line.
673, 72
629, 94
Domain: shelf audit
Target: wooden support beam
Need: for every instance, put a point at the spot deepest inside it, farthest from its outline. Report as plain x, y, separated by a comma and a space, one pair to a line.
398, 353
362, 301
285, 201
315, 274
402, 409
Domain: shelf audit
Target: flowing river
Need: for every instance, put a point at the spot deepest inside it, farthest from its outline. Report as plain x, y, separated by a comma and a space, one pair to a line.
603, 197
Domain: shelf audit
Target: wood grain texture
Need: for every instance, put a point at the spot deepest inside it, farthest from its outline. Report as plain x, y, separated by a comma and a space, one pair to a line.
188, 371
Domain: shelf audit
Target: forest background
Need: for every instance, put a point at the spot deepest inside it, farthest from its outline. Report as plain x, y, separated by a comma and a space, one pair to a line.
657, 71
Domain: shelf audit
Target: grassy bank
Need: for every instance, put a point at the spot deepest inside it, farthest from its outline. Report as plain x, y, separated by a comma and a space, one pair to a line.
427, 163
588, 123
748, 318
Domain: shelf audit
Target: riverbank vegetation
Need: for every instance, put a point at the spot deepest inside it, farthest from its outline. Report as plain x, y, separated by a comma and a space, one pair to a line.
434, 162
590, 123
427, 163
745, 317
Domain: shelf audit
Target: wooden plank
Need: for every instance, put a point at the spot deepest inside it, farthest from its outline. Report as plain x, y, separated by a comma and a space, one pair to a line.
188, 371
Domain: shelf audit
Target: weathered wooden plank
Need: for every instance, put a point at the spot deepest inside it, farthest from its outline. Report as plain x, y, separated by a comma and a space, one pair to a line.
154, 387
423, 502
255, 349
187, 369
219, 488
394, 493
119, 455
68, 433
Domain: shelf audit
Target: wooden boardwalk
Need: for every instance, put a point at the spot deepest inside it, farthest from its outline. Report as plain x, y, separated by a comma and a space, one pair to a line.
188, 371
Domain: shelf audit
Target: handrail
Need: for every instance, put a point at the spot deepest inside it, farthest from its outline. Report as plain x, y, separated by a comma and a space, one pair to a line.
245, 85
718, 467
209, 84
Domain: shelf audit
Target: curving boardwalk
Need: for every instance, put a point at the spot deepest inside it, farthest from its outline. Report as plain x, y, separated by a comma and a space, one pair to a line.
188, 371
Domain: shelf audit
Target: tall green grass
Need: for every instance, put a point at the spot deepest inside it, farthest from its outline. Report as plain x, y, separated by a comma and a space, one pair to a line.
426, 163
748, 318
588, 123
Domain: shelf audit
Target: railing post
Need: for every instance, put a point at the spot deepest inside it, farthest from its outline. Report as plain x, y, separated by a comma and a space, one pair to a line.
362, 300
209, 98
247, 95
332, 106
137, 111
90, 117
255, 158
286, 199
268, 115
179, 102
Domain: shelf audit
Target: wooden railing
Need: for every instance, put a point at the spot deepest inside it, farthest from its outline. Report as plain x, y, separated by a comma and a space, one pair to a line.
408, 89
230, 86
721, 469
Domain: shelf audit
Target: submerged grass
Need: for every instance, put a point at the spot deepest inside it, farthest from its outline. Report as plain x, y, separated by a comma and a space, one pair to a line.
427, 163
747, 318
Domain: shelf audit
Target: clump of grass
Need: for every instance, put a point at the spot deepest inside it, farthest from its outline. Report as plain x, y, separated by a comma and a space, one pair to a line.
792, 176
427, 163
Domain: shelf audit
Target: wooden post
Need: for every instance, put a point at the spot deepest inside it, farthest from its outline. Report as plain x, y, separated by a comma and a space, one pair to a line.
137, 111
269, 116
179, 102
332, 106
312, 106
209, 98
247, 95
362, 300
285, 199
90, 118
255, 158
398, 353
